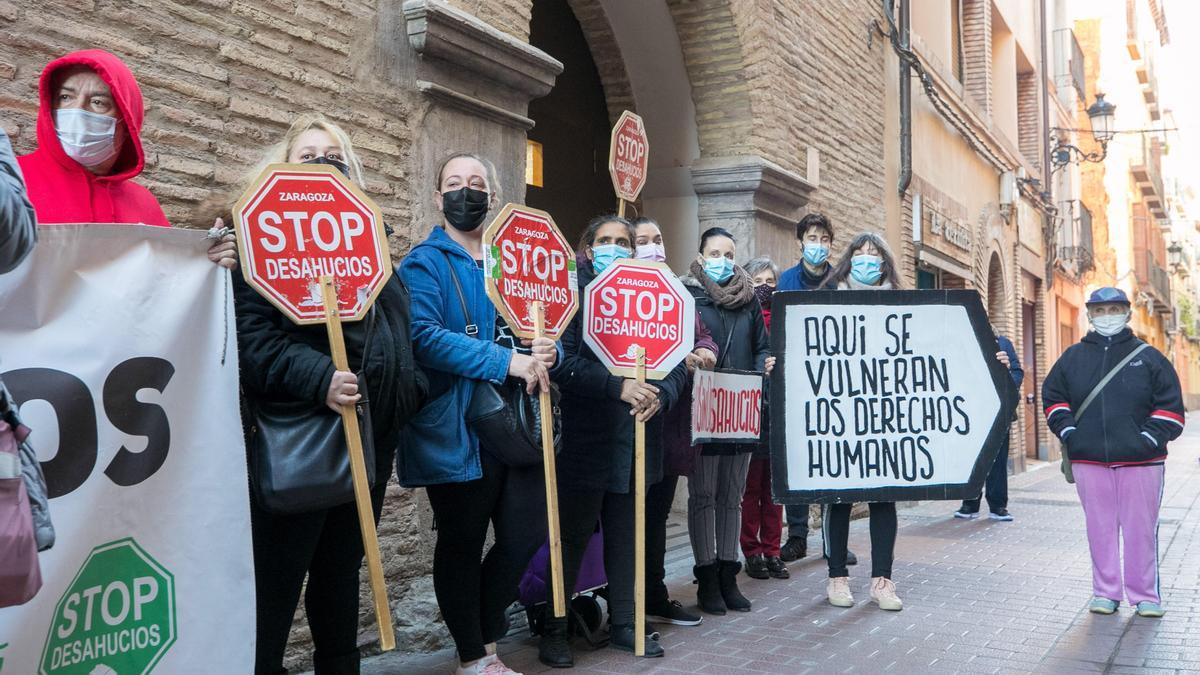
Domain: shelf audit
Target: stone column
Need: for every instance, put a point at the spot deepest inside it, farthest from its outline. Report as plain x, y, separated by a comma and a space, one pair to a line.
755, 199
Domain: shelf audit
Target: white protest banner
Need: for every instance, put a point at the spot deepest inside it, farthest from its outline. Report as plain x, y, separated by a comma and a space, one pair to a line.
118, 345
726, 406
884, 396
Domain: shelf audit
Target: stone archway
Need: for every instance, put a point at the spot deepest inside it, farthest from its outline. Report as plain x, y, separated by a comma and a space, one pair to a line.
996, 295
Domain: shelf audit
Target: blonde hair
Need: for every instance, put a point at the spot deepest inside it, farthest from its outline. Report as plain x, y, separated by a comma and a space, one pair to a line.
490, 170
281, 150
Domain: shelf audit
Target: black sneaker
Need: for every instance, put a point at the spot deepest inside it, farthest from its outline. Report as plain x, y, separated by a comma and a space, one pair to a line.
1000, 514
673, 613
795, 549
756, 567
777, 569
621, 637
966, 513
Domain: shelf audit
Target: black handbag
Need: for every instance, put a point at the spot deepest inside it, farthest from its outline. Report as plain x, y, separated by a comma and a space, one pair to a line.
298, 455
506, 418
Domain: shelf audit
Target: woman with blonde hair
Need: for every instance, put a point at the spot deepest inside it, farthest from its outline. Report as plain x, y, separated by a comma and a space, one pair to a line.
285, 364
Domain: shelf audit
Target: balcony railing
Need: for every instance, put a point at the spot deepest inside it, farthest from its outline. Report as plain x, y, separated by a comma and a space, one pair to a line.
1153, 279
1146, 168
1070, 61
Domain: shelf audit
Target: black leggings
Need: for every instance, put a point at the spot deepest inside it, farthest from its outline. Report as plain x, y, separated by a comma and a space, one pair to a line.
578, 511
327, 545
472, 594
659, 498
883, 538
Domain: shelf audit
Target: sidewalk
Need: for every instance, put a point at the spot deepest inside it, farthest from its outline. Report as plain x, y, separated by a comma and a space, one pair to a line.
980, 597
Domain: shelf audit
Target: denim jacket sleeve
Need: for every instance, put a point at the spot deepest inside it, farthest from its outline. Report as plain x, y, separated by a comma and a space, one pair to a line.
436, 343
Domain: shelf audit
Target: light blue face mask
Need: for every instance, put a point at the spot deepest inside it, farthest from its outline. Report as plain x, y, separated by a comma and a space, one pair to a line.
718, 269
816, 254
866, 269
604, 255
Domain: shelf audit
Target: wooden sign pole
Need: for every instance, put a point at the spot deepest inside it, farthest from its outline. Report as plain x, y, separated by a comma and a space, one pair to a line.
358, 473
639, 521
620, 207
551, 476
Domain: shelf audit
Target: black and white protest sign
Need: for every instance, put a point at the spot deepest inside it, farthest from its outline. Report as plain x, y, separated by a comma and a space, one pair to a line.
884, 396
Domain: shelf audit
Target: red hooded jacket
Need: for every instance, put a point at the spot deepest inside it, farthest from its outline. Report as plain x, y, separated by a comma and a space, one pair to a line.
61, 189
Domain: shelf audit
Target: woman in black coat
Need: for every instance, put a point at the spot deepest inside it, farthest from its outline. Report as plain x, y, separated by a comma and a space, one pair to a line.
595, 466
725, 298
282, 362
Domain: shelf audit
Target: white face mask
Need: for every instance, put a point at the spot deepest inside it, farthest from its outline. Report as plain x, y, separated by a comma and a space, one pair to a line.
654, 252
1110, 324
86, 137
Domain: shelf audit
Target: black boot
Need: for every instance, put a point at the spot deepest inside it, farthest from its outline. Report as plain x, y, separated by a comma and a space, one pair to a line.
621, 637
708, 595
734, 599
554, 649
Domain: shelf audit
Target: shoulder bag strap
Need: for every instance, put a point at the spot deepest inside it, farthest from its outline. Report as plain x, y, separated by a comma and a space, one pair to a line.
472, 329
1107, 378
728, 338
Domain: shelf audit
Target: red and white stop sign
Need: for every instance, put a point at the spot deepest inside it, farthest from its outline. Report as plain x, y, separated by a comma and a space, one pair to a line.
528, 260
299, 222
628, 156
636, 303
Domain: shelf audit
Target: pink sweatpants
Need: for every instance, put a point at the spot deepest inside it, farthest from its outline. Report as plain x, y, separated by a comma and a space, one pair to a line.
1121, 505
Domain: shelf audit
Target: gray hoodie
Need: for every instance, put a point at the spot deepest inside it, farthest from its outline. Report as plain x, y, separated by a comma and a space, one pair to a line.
18, 225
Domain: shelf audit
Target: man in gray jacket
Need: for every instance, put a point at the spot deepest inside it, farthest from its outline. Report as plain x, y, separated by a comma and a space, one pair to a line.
18, 234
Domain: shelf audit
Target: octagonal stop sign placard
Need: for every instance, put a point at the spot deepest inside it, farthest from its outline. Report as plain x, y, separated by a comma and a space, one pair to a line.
628, 156
528, 260
299, 222
636, 303
116, 616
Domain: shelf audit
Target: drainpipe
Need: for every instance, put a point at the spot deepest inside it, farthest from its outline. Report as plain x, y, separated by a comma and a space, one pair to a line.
905, 97
1048, 218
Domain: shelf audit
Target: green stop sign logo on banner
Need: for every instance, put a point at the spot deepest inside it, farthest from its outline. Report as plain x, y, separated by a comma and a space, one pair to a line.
636, 303
117, 616
528, 260
300, 222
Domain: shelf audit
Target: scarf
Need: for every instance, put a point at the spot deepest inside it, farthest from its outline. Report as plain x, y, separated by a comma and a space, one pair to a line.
736, 292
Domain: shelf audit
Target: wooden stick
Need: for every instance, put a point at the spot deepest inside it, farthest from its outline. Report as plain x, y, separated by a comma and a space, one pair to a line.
620, 207
551, 474
358, 473
639, 522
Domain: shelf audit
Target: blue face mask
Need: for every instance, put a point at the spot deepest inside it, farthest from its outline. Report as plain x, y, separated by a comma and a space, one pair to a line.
816, 254
866, 269
604, 255
718, 269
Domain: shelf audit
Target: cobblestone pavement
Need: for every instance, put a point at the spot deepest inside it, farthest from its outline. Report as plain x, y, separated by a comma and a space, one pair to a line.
980, 597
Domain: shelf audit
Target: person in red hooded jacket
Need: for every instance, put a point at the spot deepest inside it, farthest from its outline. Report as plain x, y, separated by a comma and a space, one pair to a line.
89, 144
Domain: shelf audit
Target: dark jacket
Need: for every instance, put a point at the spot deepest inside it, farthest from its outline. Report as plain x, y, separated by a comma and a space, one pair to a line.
1134, 416
283, 361
597, 447
741, 335
797, 278
1014, 361
18, 226
679, 454
438, 447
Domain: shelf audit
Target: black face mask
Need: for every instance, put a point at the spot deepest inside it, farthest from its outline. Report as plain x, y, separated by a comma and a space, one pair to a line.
340, 166
465, 208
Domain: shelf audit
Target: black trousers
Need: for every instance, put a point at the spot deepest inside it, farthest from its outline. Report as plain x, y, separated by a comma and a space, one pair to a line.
996, 485
578, 511
883, 538
659, 498
327, 546
473, 590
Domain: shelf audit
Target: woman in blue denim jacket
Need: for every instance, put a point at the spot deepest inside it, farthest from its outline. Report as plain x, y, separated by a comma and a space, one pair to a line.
468, 487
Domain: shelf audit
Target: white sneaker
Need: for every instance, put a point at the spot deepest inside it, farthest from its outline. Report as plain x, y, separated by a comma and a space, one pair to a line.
488, 665
839, 592
883, 593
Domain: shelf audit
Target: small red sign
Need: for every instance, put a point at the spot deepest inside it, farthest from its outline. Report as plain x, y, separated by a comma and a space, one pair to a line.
636, 303
528, 260
300, 222
629, 156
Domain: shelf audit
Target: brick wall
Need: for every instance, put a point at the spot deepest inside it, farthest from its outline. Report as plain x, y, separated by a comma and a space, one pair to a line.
977, 52
1029, 118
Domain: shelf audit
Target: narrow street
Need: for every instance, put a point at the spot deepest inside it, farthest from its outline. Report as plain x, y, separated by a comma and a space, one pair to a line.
980, 597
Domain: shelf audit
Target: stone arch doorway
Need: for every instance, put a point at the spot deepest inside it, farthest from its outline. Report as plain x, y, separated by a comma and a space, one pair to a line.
996, 295
616, 55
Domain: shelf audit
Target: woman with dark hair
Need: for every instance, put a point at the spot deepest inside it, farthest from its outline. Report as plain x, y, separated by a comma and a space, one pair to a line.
725, 299
595, 465
867, 265
460, 341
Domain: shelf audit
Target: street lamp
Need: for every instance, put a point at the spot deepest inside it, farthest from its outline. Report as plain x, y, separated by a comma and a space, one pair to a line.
1175, 259
1102, 115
